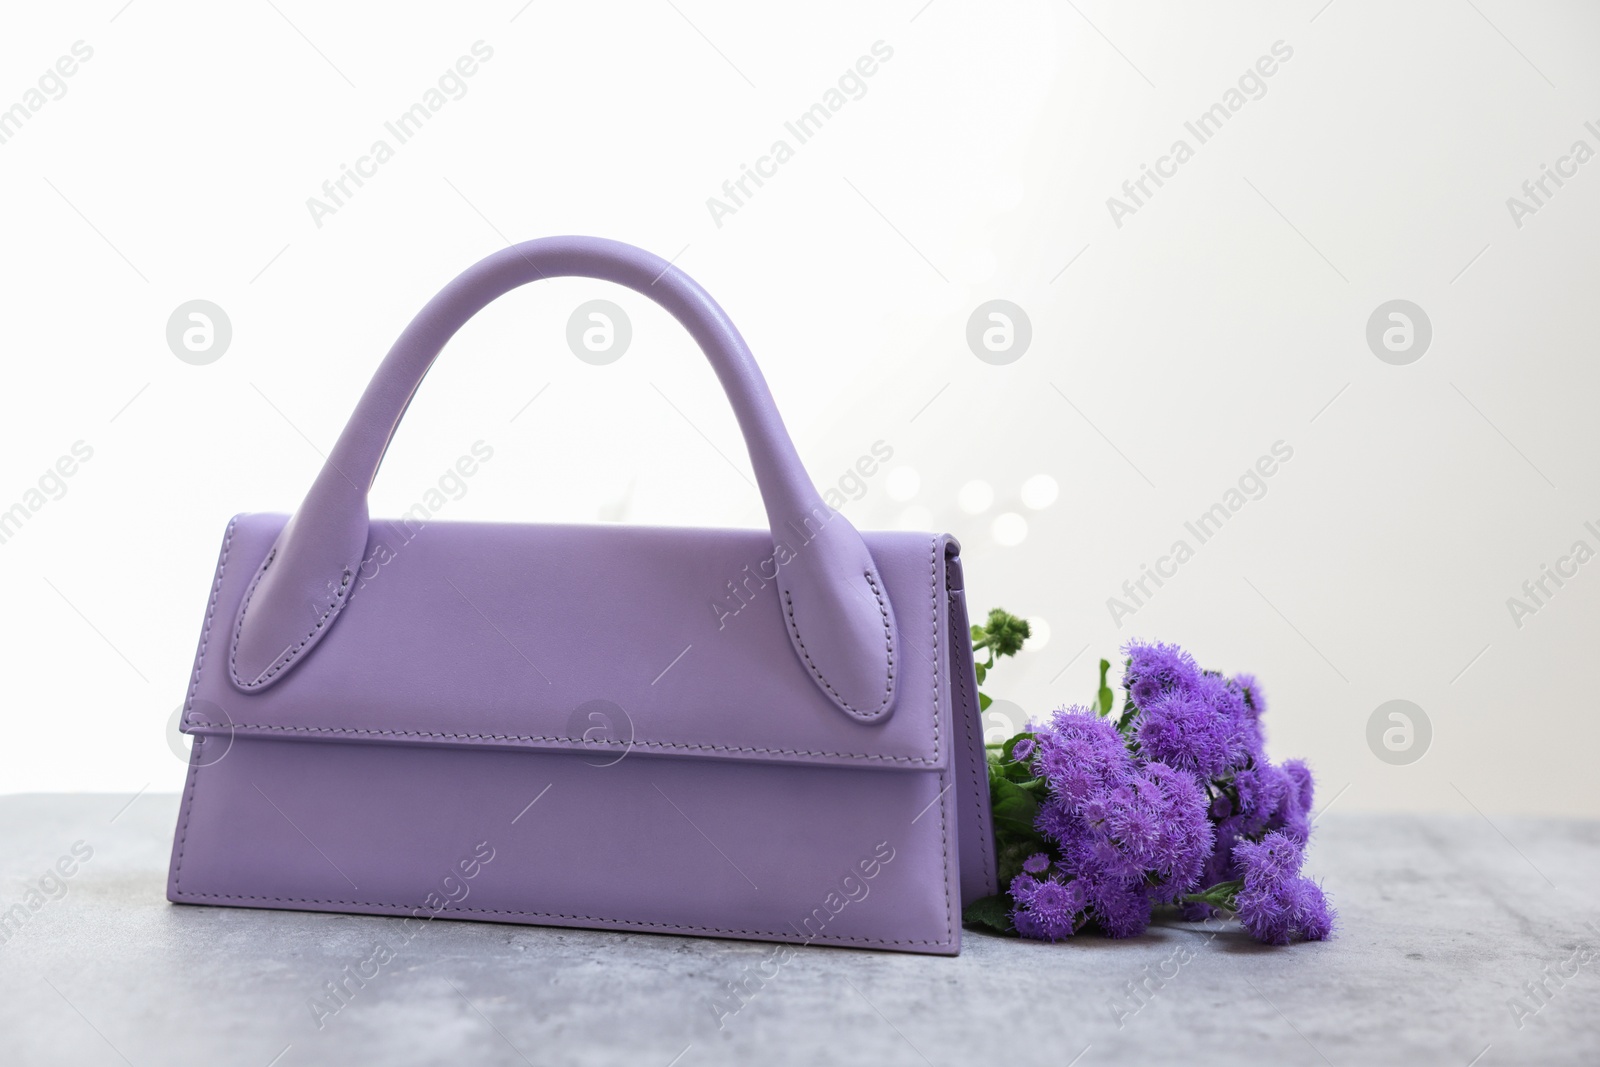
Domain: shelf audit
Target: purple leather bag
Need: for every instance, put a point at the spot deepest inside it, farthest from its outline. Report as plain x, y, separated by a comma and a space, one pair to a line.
755, 734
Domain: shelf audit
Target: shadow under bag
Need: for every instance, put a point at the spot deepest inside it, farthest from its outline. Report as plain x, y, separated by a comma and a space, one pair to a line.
766, 734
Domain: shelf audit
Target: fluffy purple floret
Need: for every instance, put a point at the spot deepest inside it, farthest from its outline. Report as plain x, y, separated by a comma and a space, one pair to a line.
1277, 903
1121, 911
1045, 909
1270, 862
1187, 718
1255, 700
1081, 754
1266, 914
1037, 863
1267, 798
1313, 914
1187, 837
1304, 785
1278, 914
1182, 729
1155, 668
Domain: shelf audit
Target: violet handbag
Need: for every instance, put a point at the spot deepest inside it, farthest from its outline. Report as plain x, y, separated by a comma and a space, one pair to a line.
764, 734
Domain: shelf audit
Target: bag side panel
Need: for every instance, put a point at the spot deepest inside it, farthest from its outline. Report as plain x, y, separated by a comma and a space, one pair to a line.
970, 762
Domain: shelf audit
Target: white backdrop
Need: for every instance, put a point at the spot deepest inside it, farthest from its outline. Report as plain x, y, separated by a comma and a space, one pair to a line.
1175, 339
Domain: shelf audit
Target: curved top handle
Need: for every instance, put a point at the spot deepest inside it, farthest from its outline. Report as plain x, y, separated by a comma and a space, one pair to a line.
831, 596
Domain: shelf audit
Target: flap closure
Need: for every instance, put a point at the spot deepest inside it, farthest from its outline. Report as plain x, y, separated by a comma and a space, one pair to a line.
608, 641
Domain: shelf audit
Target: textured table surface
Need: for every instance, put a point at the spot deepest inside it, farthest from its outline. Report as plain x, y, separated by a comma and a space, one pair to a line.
1444, 921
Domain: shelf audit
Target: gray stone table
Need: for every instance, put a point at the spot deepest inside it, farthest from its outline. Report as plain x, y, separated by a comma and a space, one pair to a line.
1444, 921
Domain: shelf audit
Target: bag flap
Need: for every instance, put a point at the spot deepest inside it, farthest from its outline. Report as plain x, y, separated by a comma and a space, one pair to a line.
604, 640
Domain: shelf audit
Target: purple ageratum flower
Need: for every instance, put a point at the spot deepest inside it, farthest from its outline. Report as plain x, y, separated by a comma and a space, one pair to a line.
1154, 669
1045, 909
1278, 914
1277, 903
1268, 799
1267, 914
1057, 821
1255, 700
1229, 703
1135, 825
1081, 754
1304, 784
1270, 862
1314, 916
1130, 833
1037, 863
1022, 749
1187, 837
1219, 867
1146, 835
1293, 816
1180, 728
1275, 798
1121, 911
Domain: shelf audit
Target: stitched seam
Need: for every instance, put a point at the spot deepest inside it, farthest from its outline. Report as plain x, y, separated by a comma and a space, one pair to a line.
944, 833
888, 638
234, 727
971, 774
777, 935
194, 689
933, 602
944, 845
286, 657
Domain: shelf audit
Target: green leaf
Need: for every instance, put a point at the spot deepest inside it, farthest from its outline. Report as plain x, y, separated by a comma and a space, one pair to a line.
1129, 710
1106, 696
984, 700
981, 671
1006, 792
1012, 807
1012, 851
1019, 774
994, 913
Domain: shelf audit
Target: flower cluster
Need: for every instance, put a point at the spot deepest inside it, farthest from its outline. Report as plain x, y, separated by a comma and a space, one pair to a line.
1276, 902
1127, 835
1102, 816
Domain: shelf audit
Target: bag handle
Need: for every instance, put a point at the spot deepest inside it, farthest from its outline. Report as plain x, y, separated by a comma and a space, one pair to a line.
834, 604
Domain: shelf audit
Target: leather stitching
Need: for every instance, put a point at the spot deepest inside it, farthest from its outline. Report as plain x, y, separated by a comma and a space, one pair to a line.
944, 834
683, 745
287, 656
816, 672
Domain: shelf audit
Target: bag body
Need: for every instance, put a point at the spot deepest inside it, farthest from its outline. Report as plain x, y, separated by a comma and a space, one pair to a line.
768, 734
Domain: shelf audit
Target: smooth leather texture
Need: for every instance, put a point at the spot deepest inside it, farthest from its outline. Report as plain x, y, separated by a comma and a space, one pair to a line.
491, 634
840, 623
626, 717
